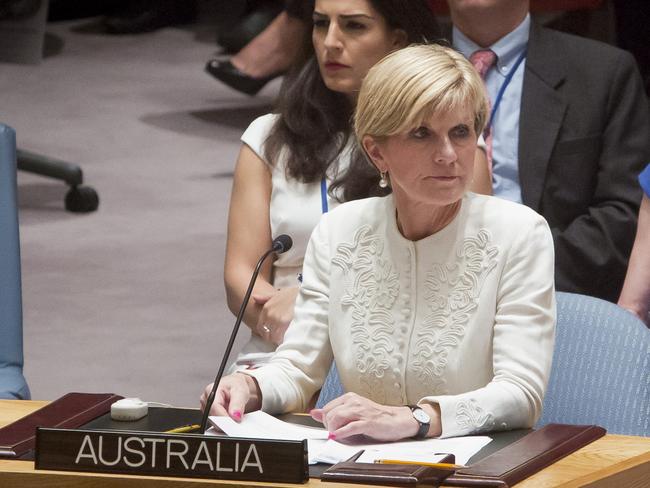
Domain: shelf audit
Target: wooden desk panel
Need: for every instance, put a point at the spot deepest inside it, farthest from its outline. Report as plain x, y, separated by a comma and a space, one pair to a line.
11, 410
612, 455
612, 461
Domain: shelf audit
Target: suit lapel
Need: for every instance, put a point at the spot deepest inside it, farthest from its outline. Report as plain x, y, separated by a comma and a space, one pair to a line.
541, 115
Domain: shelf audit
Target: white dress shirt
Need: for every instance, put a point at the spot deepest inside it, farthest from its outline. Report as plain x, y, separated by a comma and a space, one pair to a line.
505, 126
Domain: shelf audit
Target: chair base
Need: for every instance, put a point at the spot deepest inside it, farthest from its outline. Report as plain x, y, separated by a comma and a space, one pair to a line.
79, 199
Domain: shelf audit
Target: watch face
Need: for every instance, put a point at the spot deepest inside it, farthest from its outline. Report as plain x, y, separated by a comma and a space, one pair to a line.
421, 416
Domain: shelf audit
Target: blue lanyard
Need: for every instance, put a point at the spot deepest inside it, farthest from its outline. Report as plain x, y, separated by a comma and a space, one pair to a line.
324, 207
323, 195
502, 90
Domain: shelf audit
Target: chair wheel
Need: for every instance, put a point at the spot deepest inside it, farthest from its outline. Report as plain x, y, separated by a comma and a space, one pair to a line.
81, 199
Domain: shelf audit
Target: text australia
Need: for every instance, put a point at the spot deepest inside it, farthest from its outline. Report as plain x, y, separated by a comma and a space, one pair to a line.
152, 452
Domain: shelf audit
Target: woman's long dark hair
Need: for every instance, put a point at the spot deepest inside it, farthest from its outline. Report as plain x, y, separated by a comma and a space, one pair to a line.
315, 122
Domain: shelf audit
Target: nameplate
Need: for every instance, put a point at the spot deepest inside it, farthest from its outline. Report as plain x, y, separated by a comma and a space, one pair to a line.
159, 454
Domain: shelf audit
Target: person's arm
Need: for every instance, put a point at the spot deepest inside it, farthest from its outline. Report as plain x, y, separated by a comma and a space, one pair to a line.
237, 393
351, 415
249, 234
298, 368
522, 344
635, 296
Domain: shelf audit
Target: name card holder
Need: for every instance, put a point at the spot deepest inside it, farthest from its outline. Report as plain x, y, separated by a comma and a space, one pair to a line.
160, 454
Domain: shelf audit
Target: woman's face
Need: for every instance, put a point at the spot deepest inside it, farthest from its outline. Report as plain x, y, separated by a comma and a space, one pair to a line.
432, 164
349, 37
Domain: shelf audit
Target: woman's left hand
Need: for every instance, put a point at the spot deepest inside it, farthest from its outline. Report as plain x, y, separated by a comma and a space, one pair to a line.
352, 414
276, 314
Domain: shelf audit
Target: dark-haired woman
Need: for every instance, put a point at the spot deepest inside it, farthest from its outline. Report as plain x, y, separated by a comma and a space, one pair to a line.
301, 162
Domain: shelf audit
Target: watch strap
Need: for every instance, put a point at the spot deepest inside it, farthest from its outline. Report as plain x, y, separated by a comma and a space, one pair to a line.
424, 426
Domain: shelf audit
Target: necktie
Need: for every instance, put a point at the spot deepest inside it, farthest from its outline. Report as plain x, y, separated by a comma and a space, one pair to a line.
483, 60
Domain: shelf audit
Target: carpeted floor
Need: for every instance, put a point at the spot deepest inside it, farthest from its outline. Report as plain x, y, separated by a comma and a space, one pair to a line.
128, 299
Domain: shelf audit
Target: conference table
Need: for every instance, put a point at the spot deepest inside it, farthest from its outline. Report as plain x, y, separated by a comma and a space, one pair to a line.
612, 461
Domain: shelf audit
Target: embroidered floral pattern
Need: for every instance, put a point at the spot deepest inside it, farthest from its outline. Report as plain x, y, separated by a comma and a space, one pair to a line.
472, 418
452, 292
371, 289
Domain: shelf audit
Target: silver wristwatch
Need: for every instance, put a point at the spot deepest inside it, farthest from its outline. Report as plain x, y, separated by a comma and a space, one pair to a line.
423, 419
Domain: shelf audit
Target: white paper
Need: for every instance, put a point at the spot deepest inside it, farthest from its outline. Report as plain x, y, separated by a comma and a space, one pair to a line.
260, 425
332, 452
463, 448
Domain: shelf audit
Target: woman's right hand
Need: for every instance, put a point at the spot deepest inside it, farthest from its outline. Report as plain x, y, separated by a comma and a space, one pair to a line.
276, 314
237, 393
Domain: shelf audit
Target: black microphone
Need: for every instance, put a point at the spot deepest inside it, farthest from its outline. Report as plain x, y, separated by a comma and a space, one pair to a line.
280, 244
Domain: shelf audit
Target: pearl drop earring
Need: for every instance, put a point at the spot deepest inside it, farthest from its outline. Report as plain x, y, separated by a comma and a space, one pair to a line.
383, 181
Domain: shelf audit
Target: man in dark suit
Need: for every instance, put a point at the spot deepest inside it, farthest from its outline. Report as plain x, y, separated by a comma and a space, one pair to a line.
569, 135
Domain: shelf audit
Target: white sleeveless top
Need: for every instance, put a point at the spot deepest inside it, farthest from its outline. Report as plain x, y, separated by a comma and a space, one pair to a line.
295, 210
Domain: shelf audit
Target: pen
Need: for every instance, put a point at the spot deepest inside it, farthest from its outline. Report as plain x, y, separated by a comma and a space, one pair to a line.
183, 429
420, 463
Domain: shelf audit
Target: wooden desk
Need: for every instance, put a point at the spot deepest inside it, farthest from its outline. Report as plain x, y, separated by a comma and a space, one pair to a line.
612, 461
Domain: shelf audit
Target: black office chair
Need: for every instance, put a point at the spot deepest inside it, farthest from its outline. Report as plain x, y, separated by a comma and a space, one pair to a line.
22, 31
79, 198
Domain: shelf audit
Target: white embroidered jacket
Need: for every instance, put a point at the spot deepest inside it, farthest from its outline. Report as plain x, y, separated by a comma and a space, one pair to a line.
464, 318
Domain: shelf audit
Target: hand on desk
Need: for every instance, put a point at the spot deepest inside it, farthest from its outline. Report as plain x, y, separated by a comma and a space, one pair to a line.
237, 393
352, 414
343, 417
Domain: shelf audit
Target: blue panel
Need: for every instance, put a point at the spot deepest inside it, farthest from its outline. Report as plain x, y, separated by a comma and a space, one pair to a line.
601, 367
12, 382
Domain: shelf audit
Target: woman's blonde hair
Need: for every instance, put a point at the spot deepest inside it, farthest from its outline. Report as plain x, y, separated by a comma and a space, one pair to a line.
411, 84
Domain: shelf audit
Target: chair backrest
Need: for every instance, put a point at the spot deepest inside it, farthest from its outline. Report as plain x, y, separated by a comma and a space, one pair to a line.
12, 381
332, 388
601, 367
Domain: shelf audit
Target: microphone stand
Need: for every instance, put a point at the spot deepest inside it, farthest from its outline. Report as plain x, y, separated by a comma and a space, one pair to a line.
279, 246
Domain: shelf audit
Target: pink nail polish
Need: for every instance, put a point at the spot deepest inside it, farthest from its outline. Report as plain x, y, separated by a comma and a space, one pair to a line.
236, 414
331, 436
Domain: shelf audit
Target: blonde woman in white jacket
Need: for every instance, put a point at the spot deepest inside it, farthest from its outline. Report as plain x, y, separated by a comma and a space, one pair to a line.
437, 304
